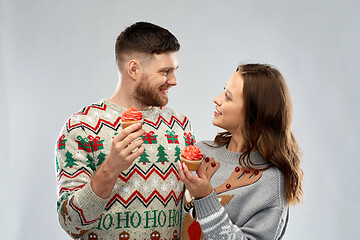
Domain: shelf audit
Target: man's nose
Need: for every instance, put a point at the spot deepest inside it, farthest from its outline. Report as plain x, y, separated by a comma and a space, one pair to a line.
172, 79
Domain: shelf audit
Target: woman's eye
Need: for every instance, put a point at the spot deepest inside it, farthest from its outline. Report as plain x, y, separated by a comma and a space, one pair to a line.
226, 94
226, 97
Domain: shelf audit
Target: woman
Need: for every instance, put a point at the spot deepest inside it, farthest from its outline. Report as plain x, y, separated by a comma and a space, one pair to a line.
251, 172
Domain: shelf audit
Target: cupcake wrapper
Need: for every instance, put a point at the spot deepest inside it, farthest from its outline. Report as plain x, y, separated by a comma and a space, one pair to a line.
192, 165
126, 124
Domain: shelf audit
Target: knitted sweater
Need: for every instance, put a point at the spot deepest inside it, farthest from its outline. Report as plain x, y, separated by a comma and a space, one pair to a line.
243, 205
146, 200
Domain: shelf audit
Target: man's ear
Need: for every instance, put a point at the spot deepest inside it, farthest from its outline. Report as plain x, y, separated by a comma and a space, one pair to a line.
133, 68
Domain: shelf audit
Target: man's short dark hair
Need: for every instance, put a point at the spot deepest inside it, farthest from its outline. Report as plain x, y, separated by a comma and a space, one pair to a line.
146, 38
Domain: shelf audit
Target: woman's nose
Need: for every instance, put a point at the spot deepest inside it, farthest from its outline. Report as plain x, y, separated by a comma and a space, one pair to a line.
217, 100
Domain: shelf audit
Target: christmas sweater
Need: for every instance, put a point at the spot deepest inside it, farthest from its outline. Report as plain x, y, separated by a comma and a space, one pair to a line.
244, 204
146, 200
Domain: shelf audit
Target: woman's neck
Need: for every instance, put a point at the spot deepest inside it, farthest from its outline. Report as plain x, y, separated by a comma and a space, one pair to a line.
236, 144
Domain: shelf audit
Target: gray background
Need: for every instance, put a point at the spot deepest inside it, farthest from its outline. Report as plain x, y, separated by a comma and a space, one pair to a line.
58, 56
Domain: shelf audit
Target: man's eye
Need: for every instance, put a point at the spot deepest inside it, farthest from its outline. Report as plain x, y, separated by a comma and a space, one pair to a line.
166, 72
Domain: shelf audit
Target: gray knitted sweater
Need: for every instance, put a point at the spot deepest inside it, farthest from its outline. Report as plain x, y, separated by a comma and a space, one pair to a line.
244, 204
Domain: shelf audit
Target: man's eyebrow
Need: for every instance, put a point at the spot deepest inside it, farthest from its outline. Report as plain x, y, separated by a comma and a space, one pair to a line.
173, 67
169, 68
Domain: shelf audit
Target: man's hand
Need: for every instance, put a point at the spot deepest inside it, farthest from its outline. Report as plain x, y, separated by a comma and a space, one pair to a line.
199, 187
125, 148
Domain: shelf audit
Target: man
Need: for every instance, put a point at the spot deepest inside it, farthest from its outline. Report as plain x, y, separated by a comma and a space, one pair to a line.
124, 184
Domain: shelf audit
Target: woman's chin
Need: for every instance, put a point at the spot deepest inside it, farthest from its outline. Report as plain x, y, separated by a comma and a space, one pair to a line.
215, 123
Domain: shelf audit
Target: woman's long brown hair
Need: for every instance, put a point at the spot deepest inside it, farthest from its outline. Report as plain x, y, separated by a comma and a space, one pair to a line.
267, 126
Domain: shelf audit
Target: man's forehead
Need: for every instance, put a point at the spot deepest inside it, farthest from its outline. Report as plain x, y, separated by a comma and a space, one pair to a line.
168, 59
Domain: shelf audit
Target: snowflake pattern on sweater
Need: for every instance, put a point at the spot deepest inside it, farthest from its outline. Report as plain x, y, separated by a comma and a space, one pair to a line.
146, 200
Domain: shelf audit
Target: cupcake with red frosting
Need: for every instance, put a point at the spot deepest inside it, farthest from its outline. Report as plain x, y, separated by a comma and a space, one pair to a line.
131, 116
192, 157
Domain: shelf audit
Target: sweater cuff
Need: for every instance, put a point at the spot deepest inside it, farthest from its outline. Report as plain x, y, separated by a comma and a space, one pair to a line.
91, 204
207, 206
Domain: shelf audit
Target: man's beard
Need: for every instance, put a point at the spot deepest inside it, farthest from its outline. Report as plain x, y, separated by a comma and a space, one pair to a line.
147, 96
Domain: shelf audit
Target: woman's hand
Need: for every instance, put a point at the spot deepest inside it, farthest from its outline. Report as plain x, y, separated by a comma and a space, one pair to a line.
200, 186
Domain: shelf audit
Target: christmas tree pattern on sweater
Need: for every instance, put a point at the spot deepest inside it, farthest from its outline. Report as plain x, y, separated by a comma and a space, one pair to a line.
147, 196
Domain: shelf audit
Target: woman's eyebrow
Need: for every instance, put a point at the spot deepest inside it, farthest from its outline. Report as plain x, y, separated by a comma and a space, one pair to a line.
227, 90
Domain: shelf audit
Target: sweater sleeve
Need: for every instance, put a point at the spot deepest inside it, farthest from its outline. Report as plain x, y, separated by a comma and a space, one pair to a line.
78, 207
216, 224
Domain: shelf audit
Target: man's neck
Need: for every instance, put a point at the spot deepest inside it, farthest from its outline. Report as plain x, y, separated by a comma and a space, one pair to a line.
126, 101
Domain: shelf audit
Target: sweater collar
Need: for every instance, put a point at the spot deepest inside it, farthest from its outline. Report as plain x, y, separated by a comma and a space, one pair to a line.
152, 113
228, 156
